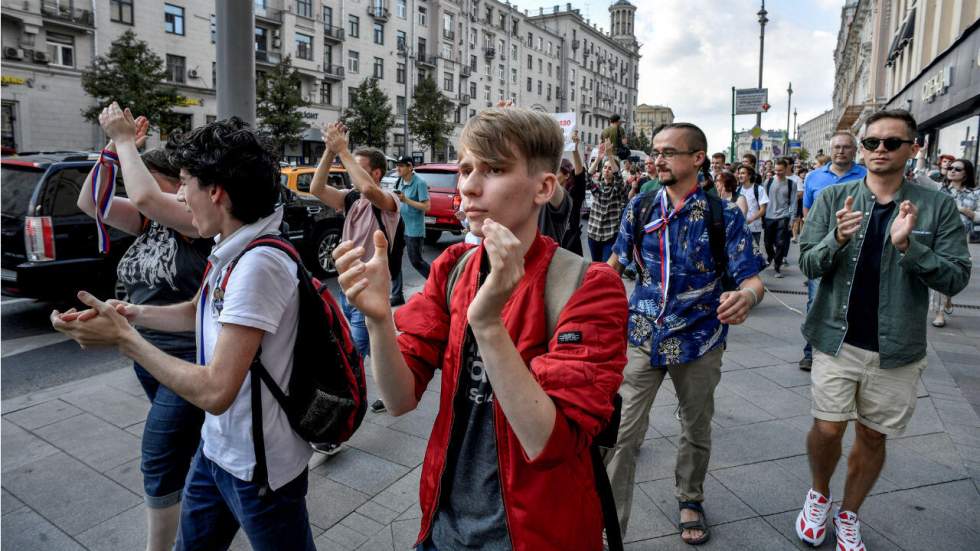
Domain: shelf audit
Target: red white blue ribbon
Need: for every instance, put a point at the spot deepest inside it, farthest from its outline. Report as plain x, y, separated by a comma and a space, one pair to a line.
103, 190
661, 225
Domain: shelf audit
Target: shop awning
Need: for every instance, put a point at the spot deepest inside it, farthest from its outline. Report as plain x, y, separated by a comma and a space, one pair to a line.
903, 37
850, 114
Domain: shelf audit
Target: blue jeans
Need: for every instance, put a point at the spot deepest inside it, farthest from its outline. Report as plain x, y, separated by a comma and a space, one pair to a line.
358, 329
811, 291
216, 505
601, 250
171, 435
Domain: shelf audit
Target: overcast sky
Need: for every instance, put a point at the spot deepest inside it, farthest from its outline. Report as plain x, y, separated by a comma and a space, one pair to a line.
694, 51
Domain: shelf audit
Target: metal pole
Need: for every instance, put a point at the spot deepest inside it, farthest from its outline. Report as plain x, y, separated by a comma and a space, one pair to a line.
796, 126
405, 52
731, 150
789, 104
762, 48
235, 61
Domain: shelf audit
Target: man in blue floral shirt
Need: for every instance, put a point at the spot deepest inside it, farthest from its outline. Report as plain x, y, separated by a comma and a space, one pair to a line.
679, 317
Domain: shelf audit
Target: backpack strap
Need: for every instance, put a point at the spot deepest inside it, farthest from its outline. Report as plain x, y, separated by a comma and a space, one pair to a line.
560, 284
456, 272
642, 211
717, 242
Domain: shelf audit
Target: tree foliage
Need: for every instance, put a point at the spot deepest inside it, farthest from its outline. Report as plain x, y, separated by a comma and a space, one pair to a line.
429, 118
277, 102
133, 75
369, 116
640, 141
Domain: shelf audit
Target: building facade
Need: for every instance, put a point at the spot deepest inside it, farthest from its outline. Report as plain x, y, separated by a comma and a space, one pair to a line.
477, 51
651, 117
773, 143
815, 134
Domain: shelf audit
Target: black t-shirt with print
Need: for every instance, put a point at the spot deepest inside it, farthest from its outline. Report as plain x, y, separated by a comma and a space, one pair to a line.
862, 309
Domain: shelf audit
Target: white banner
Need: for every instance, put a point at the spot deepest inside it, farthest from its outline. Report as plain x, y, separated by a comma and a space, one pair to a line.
567, 123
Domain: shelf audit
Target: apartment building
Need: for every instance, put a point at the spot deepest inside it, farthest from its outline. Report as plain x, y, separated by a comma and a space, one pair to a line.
651, 117
815, 134
478, 52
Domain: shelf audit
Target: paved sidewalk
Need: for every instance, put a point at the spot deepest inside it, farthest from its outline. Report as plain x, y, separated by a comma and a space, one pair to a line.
71, 478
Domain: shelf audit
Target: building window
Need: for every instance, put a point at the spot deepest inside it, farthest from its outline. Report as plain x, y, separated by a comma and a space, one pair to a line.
539, 88
61, 49
304, 8
447, 82
379, 33
400, 105
328, 16
458, 117
540, 40
173, 19
530, 40
513, 76
379, 68
473, 38
530, 84
304, 46
401, 8
421, 48
261, 39
500, 72
550, 46
176, 68
121, 11
530, 62
486, 93
326, 94
473, 63
423, 15
401, 39
473, 90
549, 92
400, 73
353, 62
540, 66
353, 26
549, 69
327, 54
513, 51
447, 24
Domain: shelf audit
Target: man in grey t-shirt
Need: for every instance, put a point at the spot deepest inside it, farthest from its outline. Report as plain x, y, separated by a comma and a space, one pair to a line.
782, 202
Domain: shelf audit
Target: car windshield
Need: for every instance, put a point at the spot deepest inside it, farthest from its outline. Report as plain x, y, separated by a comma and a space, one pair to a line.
18, 186
439, 180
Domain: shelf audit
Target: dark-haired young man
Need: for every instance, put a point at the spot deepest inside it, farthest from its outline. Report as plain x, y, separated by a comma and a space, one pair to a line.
717, 164
679, 317
229, 180
781, 192
877, 245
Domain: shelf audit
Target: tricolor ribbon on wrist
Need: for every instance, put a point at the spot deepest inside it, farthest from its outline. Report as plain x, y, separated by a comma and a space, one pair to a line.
103, 190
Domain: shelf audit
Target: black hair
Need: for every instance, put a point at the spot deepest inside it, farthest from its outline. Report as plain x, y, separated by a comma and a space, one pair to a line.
157, 160
900, 114
230, 154
696, 139
969, 171
783, 161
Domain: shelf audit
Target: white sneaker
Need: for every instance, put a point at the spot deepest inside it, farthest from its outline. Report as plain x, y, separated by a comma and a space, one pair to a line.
848, 529
811, 523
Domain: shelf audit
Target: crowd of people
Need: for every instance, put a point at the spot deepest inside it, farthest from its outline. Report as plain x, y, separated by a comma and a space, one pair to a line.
538, 353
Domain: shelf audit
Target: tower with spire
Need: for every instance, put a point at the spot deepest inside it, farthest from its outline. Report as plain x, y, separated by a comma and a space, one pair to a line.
622, 14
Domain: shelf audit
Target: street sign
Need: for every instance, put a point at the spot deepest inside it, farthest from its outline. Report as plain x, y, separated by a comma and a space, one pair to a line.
756, 144
756, 132
749, 101
795, 145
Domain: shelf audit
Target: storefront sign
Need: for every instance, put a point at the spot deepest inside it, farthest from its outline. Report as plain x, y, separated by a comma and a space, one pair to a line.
8, 80
311, 115
938, 84
189, 102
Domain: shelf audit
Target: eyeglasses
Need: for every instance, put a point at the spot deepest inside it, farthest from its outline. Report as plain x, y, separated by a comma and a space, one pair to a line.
670, 153
891, 144
955, 169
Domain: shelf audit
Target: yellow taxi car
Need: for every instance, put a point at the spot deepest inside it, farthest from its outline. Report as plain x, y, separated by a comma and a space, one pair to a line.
299, 178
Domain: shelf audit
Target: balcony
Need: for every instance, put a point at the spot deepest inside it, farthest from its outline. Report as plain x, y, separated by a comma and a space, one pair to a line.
489, 52
67, 13
449, 35
267, 57
464, 99
379, 13
426, 60
465, 71
333, 72
333, 34
584, 108
269, 15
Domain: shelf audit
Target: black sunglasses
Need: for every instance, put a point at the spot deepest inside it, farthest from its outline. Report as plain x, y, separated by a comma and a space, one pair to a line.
891, 144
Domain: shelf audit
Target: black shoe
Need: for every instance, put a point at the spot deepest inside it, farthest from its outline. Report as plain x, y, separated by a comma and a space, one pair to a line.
326, 448
806, 364
397, 301
378, 407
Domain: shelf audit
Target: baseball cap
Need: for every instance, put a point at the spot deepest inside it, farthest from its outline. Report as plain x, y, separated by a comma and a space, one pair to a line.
405, 160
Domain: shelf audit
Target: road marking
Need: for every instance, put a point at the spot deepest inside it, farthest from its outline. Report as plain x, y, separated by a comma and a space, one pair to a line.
27, 344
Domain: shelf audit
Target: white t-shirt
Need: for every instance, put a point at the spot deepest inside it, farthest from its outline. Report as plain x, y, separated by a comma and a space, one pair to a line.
754, 205
261, 293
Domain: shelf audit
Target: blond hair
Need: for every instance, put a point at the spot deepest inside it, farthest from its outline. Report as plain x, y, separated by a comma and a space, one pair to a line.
496, 136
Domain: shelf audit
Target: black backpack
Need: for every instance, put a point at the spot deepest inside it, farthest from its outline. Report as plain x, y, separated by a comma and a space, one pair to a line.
327, 393
716, 234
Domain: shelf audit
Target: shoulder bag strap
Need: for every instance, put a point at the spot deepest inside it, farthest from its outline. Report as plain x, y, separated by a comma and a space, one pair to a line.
456, 272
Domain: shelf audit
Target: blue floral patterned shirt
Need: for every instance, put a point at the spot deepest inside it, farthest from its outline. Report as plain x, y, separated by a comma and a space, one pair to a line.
688, 327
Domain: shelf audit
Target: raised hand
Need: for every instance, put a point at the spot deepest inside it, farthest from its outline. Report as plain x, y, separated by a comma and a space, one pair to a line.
506, 271
575, 138
336, 137
142, 128
848, 221
903, 225
367, 285
118, 123
103, 324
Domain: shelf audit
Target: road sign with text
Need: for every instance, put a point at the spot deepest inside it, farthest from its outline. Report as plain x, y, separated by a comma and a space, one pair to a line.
749, 101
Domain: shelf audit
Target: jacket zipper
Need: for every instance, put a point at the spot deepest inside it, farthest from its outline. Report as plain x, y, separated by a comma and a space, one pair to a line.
500, 477
850, 285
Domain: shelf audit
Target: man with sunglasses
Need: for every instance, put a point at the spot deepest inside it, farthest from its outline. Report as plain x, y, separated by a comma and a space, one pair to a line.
679, 315
840, 169
877, 245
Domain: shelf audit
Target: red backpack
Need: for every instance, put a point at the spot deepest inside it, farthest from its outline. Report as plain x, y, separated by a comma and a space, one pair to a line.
326, 398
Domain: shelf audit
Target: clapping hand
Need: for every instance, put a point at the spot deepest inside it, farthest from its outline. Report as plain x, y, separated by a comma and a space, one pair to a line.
335, 136
119, 124
506, 271
903, 225
104, 324
367, 285
848, 221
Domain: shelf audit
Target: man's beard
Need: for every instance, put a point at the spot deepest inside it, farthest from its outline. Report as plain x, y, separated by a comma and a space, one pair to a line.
669, 180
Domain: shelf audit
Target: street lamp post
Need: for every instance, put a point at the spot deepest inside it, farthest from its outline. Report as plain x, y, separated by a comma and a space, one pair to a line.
789, 104
762, 48
796, 126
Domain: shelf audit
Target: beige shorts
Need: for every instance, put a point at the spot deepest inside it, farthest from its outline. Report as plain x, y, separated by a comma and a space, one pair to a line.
852, 386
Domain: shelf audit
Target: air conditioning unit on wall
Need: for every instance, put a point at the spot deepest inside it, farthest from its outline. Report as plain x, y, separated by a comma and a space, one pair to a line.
13, 53
41, 57
192, 73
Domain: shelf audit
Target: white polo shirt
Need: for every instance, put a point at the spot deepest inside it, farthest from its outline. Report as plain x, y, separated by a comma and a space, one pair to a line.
261, 293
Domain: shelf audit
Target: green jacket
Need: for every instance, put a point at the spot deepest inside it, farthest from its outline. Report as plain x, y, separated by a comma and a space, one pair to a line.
937, 258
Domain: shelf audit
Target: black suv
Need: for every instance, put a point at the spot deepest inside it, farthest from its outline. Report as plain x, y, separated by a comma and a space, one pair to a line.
49, 246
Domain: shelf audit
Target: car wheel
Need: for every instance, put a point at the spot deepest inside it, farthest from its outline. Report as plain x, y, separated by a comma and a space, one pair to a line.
326, 241
432, 236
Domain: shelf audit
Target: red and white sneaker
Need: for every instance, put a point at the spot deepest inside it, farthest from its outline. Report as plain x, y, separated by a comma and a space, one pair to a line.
848, 529
811, 523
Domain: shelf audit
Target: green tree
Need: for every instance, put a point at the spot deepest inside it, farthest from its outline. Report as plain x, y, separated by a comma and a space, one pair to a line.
428, 119
804, 154
369, 116
133, 75
640, 141
277, 103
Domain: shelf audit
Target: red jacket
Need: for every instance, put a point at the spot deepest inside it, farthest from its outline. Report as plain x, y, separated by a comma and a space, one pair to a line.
550, 501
